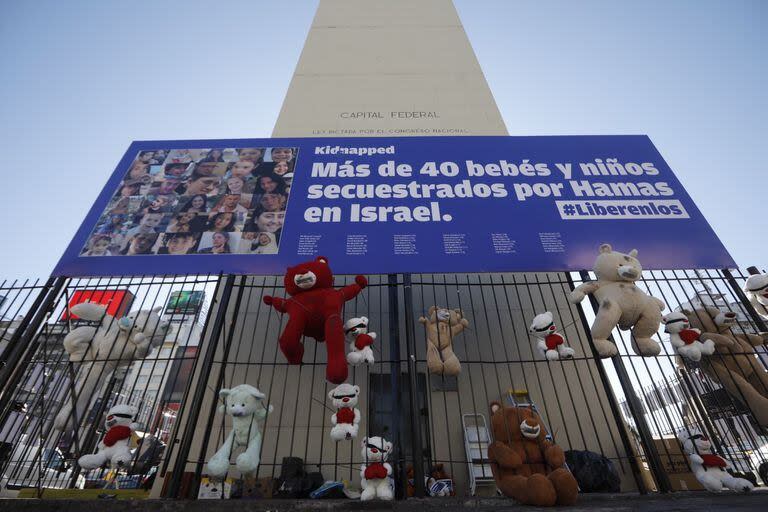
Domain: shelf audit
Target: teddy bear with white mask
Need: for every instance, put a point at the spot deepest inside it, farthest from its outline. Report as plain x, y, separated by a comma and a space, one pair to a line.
686, 340
100, 349
708, 468
347, 417
375, 472
115, 448
245, 404
550, 343
360, 341
756, 289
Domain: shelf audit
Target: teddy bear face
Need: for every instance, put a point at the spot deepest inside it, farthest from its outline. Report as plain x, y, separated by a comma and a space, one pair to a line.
375, 449
344, 395
120, 415
514, 424
711, 319
616, 266
244, 400
444, 315
310, 275
757, 286
354, 327
695, 442
145, 321
543, 325
675, 322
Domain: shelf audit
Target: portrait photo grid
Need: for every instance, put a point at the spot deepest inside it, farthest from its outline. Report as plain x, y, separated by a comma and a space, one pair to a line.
197, 201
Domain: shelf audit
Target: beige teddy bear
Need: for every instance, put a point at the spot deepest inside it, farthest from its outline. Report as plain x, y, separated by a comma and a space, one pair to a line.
622, 303
442, 325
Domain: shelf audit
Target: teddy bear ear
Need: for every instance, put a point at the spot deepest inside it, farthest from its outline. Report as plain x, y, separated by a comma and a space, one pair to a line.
223, 393
322, 259
388, 447
432, 309
255, 393
495, 406
357, 390
364, 442
364, 319
330, 393
222, 408
633, 253
606, 248
157, 310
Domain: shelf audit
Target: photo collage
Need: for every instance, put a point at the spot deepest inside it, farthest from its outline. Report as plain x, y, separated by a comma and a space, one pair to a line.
197, 201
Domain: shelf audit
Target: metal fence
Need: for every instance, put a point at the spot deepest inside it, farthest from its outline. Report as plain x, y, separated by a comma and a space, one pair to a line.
628, 409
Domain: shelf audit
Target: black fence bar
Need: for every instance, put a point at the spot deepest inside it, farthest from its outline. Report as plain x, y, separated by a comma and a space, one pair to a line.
416, 416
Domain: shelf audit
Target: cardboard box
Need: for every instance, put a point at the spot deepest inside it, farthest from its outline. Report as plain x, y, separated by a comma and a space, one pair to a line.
675, 463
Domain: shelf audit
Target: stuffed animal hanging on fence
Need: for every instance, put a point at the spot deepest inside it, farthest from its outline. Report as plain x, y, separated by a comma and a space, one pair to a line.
708, 468
101, 349
550, 343
687, 341
314, 310
346, 418
245, 404
360, 341
442, 326
375, 472
115, 448
756, 289
621, 302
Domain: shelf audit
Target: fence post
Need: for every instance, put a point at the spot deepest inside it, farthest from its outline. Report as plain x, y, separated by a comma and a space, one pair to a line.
418, 450
202, 382
635, 407
759, 322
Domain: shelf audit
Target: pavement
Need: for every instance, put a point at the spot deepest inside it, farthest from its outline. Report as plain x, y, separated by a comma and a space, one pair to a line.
680, 501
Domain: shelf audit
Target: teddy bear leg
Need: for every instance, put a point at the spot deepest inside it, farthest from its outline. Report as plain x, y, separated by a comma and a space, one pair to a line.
290, 340
369, 491
513, 486
566, 487
434, 363
121, 458
541, 492
646, 326
738, 387
737, 484
710, 482
336, 368
451, 364
384, 490
355, 357
605, 321
92, 461
758, 377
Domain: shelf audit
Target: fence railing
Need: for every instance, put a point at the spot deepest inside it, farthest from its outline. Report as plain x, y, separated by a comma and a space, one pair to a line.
626, 410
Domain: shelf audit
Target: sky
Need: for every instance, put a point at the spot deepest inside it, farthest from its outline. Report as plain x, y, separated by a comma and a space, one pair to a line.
79, 80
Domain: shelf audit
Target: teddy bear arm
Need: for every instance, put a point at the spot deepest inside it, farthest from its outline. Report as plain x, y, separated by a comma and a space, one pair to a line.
695, 458
584, 289
504, 456
357, 416
718, 339
458, 328
756, 340
554, 456
350, 291
388, 467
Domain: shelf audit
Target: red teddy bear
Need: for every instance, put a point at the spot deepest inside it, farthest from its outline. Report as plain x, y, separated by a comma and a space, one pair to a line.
314, 310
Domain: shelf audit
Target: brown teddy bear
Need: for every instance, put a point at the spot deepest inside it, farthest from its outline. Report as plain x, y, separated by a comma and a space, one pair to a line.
442, 325
734, 363
525, 465
622, 303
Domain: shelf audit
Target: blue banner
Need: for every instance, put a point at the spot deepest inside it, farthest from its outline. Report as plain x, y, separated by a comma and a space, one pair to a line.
390, 205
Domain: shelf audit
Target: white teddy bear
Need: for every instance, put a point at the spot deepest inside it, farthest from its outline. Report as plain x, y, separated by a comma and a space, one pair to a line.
550, 343
345, 420
756, 289
708, 468
245, 404
115, 447
375, 472
103, 348
360, 341
684, 339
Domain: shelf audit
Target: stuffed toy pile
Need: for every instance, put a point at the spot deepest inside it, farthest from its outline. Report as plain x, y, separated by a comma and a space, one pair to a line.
375, 472
550, 343
708, 468
314, 310
101, 349
115, 448
442, 326
245, 404
621, 302
525, 464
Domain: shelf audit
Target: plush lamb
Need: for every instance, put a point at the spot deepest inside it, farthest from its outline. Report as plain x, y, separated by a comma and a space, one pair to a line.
756, 289
550, 343
622, 303
687, 341
708, 468
115, 448
375, 472
345, 420
245, 404
101, 349
360, 341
